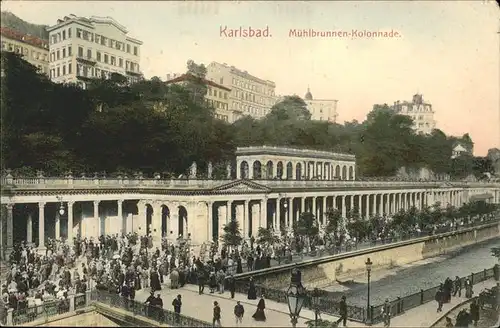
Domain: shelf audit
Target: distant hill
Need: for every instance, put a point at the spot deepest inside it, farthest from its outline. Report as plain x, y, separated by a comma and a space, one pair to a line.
8, 19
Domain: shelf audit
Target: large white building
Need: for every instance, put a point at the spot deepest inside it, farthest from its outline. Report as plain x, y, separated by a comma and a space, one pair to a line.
249, 95
321, 109
420, 111
95, 47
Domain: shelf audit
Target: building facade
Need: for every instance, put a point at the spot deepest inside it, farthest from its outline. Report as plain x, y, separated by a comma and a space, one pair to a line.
459, 150
217, 95
62, 208
249, 95
34, 50
420, 111
86, 48
321, 109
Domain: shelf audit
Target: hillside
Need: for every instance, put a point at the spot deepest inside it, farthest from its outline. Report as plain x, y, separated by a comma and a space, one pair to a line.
10, 20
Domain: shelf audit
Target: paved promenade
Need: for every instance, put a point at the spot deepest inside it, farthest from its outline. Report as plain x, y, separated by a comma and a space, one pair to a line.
200, 307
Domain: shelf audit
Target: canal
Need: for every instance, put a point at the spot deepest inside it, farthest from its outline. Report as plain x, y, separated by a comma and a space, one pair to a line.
409, 279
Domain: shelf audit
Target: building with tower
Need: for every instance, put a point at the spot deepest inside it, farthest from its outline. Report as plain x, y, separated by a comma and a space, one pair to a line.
321, 109
420, 111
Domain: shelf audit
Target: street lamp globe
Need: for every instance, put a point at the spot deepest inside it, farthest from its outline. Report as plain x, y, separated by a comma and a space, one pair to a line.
285, 205
61, 210
296, 297
368, 264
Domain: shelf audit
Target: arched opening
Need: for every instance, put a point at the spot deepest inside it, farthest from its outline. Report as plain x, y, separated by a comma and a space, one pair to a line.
289, 171
257, 170
337, 172
183, 220
351, 173
298, 171
269, 170
165, 218
279, 170
149, 218
244, 170
344, 172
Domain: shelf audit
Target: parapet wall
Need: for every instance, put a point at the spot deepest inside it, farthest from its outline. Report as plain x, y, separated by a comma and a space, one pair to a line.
321, 272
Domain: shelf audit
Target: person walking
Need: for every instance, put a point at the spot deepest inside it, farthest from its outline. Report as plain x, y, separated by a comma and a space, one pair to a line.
231, 284
342, 312
239, 310
439, 299
386, 313
217, 315
458, 287
474, 312
177, 304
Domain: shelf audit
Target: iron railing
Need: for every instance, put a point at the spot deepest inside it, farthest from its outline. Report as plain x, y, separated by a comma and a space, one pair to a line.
43, 311
160, 315
402, 304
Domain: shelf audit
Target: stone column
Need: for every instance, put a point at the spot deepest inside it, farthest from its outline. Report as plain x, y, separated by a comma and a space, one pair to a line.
210, 225
374, 205
221, 215
263, 213
255, 218
119, 204
393, 203
246, 220
302, 205
344, 210
10, 227
367, 205
287, 212
174, 223
314, 208
155, 224
352, 204
70, 223
41, 226
278, 214
229, 211
58, 225
323, 210
29, 229
239, 217
96, 216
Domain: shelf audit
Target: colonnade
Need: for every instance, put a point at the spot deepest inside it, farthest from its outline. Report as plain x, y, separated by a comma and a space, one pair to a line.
295, 170
202, 218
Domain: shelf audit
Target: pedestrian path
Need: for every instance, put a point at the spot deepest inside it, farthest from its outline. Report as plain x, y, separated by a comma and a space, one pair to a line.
200, 307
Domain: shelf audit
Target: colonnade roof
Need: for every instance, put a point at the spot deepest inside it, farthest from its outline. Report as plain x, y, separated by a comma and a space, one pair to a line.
293, 152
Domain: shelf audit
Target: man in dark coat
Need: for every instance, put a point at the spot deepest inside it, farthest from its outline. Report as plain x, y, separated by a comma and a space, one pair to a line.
231, 284
201, 279
150, 302
342, 311
154, 280
177, 304
439, 297
458, 287
474, 312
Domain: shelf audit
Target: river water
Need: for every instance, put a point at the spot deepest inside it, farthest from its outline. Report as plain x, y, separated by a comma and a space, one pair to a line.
409, 279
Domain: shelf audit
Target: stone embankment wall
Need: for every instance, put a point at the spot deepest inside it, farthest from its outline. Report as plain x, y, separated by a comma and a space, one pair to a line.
322, 272
89, 319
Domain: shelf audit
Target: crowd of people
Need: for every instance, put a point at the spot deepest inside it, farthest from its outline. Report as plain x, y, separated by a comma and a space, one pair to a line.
124, 264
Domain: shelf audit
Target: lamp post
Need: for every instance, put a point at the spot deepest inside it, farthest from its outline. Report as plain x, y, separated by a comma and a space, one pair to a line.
61, 206
315, 302
295, 297
368, 264
285, 207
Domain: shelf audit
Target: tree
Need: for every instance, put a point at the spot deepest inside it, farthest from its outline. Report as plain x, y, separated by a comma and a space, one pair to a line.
231, 236
265, 235
333, 221
196, 81
290, 108
306, 226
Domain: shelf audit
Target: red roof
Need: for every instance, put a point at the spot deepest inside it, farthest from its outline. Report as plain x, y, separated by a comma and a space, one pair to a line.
186, 77
26, 38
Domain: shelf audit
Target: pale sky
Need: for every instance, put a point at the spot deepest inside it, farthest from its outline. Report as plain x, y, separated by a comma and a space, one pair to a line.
448, 51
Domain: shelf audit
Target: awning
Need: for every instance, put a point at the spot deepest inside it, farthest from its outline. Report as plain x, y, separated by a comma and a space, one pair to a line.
485, 196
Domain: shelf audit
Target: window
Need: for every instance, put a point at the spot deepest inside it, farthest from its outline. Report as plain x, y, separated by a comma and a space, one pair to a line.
209, 91
89, 53
104, 40
64, 52
106, 58
80, 52
64, 69
120, 62
69, 68
58, 54
113, 60
69, 51
78, 33
64, 35
128, 48
97, 38
58, 71
52, 73
69, 33
135, 51
221, 80
225, 95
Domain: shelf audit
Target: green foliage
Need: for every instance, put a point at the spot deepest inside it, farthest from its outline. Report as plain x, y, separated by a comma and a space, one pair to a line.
10, 20
333, 220
265, 235
232, 233
153, 127
306, 225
